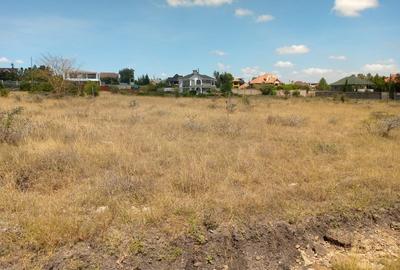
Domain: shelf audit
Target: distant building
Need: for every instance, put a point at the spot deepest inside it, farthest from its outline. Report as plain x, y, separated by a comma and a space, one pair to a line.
393, 78
196, 82
173, 81
237, 82
109, 78
266, 79
353, 84
82, 76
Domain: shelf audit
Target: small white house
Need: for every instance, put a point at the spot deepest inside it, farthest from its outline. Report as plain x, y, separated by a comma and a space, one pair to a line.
82, 76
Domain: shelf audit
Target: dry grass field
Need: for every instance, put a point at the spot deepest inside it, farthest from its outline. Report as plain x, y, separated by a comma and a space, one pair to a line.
114, 169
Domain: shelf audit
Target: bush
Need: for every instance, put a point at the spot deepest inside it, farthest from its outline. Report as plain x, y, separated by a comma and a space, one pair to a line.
268, 90
36, 87
91, 89
12, 128
382, 123
296, 93
287, 121
4, 92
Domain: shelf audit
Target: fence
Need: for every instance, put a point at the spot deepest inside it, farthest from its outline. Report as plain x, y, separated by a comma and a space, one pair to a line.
352, 95
10, 84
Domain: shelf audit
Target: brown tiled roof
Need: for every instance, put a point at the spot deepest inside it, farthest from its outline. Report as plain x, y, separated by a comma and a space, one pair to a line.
109, 75
265, 79
393, 78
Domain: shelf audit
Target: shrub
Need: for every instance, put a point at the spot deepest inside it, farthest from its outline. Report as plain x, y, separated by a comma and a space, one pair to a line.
36, 87
133, 104
12, 128
286, 93
287, 121
230, 106
268, 90
4, 92
91, 89
382, 123
296, 93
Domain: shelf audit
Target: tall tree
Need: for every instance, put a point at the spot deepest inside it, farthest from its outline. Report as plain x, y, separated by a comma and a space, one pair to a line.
127, 75
57, 66
226, 80
218, 78
323, 85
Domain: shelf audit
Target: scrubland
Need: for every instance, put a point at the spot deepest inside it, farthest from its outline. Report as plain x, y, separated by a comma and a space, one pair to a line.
113, 169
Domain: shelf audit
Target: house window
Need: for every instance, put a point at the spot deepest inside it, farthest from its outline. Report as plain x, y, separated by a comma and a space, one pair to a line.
198, 82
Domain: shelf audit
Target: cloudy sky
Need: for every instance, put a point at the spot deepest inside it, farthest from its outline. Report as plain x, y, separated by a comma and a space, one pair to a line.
296, 39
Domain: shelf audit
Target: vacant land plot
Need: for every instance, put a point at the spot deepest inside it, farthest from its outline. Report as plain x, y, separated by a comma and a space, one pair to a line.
134, 174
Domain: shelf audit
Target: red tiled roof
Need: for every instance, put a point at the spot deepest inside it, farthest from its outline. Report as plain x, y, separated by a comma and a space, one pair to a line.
265, 79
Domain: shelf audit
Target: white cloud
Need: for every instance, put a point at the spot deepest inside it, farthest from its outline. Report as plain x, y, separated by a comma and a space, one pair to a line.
380, 68
251, 72
284, 64
338, 57
19, 61
264, 18
223, 67
317, 71
294, 49
241, 12
314, 74
4, 60
189, 3
352, 8
219, 53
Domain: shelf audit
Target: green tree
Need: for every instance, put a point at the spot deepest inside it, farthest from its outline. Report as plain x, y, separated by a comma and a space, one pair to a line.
226, 80
218, 78
323, 85
127, 75
143, 80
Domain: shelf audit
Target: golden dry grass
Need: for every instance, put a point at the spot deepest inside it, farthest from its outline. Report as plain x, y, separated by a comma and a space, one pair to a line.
102, 168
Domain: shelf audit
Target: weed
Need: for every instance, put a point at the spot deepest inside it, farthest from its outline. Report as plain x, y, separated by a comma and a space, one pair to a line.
382, 123
326, 148
13, 129
136, 247
230, 106
287, 121
196, 233
133, 104
192, 124
4, 92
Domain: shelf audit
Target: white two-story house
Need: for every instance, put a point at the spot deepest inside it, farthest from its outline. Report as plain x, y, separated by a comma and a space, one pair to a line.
196, 82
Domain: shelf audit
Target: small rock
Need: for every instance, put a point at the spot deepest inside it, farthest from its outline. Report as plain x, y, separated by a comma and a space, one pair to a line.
297, 246
225, 267
339, 238
307, 261
319, 250
258, 258
395, 226
197, 264
101, 209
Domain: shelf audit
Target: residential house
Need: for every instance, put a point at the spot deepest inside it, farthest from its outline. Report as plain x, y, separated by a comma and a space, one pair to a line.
173, 81
352, 84
196, 82
237, 82
82, 76
266, 79
109, 78
393, 78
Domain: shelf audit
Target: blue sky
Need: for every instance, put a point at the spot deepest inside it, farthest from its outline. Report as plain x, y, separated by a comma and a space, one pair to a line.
296, 39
